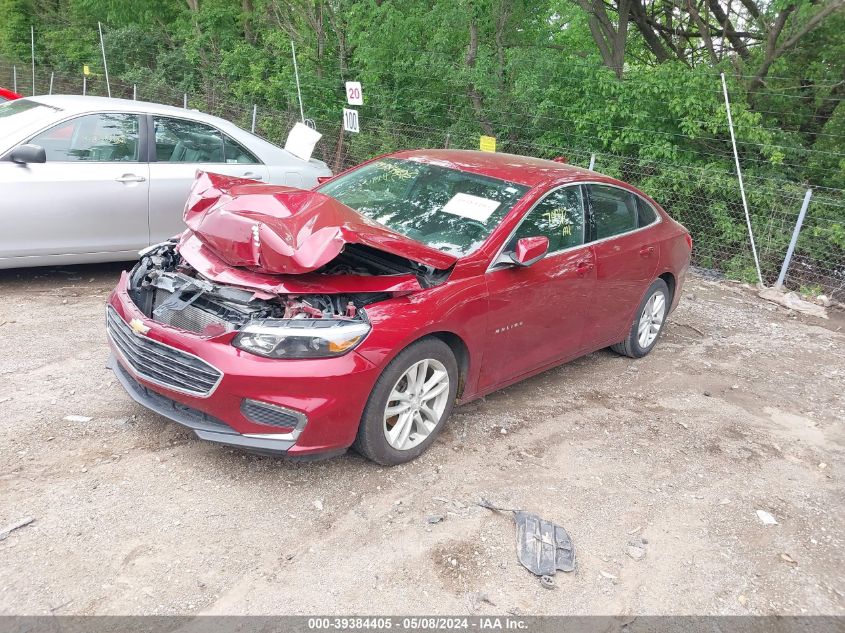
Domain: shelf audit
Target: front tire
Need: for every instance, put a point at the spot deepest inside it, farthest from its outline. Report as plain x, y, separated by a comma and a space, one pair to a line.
409, 404
648, 322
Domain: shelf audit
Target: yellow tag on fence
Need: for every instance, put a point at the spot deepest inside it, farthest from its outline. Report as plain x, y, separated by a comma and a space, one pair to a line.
487, 144
85, 70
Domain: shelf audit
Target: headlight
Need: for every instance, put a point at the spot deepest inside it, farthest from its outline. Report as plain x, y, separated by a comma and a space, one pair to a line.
301, 338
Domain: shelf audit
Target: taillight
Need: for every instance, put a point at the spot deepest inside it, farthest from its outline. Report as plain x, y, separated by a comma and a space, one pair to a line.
322, 179
689, 241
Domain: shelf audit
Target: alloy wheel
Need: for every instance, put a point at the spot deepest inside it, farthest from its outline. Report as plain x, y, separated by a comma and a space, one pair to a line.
416, 404
651, 319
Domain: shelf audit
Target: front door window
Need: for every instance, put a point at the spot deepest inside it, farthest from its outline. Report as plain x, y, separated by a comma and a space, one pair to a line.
559, 216
105, 138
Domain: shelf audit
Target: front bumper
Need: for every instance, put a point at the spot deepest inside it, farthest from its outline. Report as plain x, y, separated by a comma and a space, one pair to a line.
326, 396
203, 425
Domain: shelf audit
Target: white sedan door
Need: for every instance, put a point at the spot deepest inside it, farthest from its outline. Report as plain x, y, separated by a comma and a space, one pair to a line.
90, 197
183, 146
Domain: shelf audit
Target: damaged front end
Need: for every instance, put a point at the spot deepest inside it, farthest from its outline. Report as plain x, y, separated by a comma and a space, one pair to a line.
275, 230
166, 289
262, 272
289, 271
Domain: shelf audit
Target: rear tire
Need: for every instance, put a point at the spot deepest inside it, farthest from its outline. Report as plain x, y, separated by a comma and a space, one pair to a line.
409, 404
649, 320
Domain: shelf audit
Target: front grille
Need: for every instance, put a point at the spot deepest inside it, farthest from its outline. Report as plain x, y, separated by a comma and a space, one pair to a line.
190, 317
270, 415
160, 363
190, 417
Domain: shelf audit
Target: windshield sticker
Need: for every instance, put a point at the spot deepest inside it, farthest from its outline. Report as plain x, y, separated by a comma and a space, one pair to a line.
472, 207
389, 171
560, 217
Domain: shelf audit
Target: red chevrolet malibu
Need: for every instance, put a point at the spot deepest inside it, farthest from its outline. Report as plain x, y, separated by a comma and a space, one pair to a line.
301, 322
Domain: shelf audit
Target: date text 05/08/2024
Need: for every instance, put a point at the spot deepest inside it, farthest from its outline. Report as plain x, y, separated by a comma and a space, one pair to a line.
417, 624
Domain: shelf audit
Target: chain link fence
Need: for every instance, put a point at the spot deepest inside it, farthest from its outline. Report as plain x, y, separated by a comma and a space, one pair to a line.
706, 199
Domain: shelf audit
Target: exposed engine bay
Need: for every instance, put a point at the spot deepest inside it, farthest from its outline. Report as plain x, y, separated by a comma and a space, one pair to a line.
168, 290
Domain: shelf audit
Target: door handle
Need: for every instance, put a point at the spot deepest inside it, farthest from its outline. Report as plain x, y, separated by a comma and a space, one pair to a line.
583, 267
130, 178
647, 251
253, 175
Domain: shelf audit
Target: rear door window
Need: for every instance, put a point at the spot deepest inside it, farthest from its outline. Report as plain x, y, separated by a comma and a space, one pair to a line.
614, 211
645, 213
101, 138
184, 141
235, 153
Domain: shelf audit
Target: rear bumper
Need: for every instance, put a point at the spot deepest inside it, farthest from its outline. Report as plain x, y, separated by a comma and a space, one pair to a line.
680, 280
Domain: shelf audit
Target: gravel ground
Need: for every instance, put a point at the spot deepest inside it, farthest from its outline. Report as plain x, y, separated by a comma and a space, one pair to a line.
655, 467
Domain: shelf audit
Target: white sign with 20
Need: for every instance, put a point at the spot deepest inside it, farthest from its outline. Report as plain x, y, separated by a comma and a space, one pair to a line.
354, 95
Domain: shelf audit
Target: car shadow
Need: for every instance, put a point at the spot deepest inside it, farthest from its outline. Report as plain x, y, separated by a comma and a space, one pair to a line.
99, 273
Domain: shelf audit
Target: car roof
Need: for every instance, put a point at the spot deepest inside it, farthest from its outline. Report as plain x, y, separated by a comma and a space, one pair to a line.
523, 170
79, 103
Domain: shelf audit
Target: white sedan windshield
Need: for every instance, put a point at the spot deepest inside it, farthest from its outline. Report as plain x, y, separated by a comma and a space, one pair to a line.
22, 114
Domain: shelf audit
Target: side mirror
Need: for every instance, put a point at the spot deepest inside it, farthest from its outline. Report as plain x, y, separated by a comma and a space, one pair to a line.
530, 250
24, 154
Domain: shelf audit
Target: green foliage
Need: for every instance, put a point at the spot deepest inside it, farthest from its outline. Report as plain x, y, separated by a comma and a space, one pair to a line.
535, 79
14, 28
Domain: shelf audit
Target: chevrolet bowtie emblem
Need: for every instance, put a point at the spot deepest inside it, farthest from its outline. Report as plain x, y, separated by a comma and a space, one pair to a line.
138, 326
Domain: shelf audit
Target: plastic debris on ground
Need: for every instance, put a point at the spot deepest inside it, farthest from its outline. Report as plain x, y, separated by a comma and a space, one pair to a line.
542, 547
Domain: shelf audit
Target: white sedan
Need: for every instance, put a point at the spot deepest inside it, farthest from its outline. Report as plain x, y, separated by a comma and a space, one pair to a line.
91, 179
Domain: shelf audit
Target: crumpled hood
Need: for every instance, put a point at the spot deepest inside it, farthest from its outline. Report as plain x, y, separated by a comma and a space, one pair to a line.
282, 230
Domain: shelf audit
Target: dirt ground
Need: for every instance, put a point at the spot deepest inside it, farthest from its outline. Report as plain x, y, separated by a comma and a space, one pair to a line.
655, 467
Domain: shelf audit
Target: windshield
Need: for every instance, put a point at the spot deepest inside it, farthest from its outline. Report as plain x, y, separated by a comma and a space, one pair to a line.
447, 209
22, 113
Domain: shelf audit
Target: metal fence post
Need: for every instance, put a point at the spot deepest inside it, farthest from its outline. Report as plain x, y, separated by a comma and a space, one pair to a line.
14, 78
105, 65
134, 92
51, 83
185, 101
592, 162
296, 74
795, 232
739, 177
32, 41
254, 114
